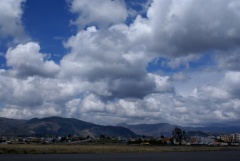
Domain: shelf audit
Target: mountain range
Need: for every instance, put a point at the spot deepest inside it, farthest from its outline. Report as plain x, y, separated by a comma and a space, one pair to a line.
166, 129
58, 126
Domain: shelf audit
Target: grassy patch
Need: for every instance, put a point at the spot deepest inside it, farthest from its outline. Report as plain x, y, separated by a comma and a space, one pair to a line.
91, 149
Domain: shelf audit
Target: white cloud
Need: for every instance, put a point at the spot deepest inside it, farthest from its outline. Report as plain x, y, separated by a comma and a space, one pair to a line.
231, 83
108, 56
228, 60
39, 96
215, 93
103, 79
26, 60
28, 113
10, 20
180, 77
102, 13
19, 92
163, 83
92, 104
182, 61
188, 26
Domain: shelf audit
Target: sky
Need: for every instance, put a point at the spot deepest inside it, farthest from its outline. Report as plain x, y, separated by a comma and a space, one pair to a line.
121, 61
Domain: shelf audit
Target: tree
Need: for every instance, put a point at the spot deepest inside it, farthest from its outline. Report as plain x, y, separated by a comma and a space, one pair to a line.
63, 139
177, 135
102, 137
184, 135
171, 140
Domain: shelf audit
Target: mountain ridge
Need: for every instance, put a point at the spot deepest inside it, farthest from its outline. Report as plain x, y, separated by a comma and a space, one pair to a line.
58, 126
165, 129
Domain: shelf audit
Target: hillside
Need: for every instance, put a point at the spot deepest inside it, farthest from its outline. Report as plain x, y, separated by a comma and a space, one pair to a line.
7, 124
57, 126
151, 129
165, 129
158, 129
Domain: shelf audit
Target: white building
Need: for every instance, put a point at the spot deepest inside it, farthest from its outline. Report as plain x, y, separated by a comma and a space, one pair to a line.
209, 139
235, 137
226, 138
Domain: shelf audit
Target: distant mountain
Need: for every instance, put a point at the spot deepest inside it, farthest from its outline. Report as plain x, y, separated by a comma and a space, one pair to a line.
151, 129
58, 126
223, 129
7, 124
165, 129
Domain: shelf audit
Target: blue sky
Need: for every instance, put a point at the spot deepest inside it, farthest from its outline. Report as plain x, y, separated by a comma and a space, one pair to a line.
130, 61
50, 27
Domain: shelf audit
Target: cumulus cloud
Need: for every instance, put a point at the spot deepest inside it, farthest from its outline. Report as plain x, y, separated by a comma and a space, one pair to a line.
19, 92
26, 60
104, 76
180, 77
10, 20
37, 96
188, 26
102, 13
74, 98
231, 83
182, 61
105, 55
228, 60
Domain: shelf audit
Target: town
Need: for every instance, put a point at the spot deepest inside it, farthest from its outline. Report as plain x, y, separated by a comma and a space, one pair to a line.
178, 138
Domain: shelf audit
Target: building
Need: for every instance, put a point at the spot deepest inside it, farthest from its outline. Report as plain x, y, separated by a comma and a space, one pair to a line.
202, 140
235, 137
225, 138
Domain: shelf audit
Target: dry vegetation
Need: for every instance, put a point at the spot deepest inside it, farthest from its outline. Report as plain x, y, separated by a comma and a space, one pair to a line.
91, 149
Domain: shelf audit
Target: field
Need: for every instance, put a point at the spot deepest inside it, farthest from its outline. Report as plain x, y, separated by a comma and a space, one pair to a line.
95, 149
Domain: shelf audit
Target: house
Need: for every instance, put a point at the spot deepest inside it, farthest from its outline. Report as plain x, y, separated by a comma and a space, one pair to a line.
208, 140
225, 138
235, 137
